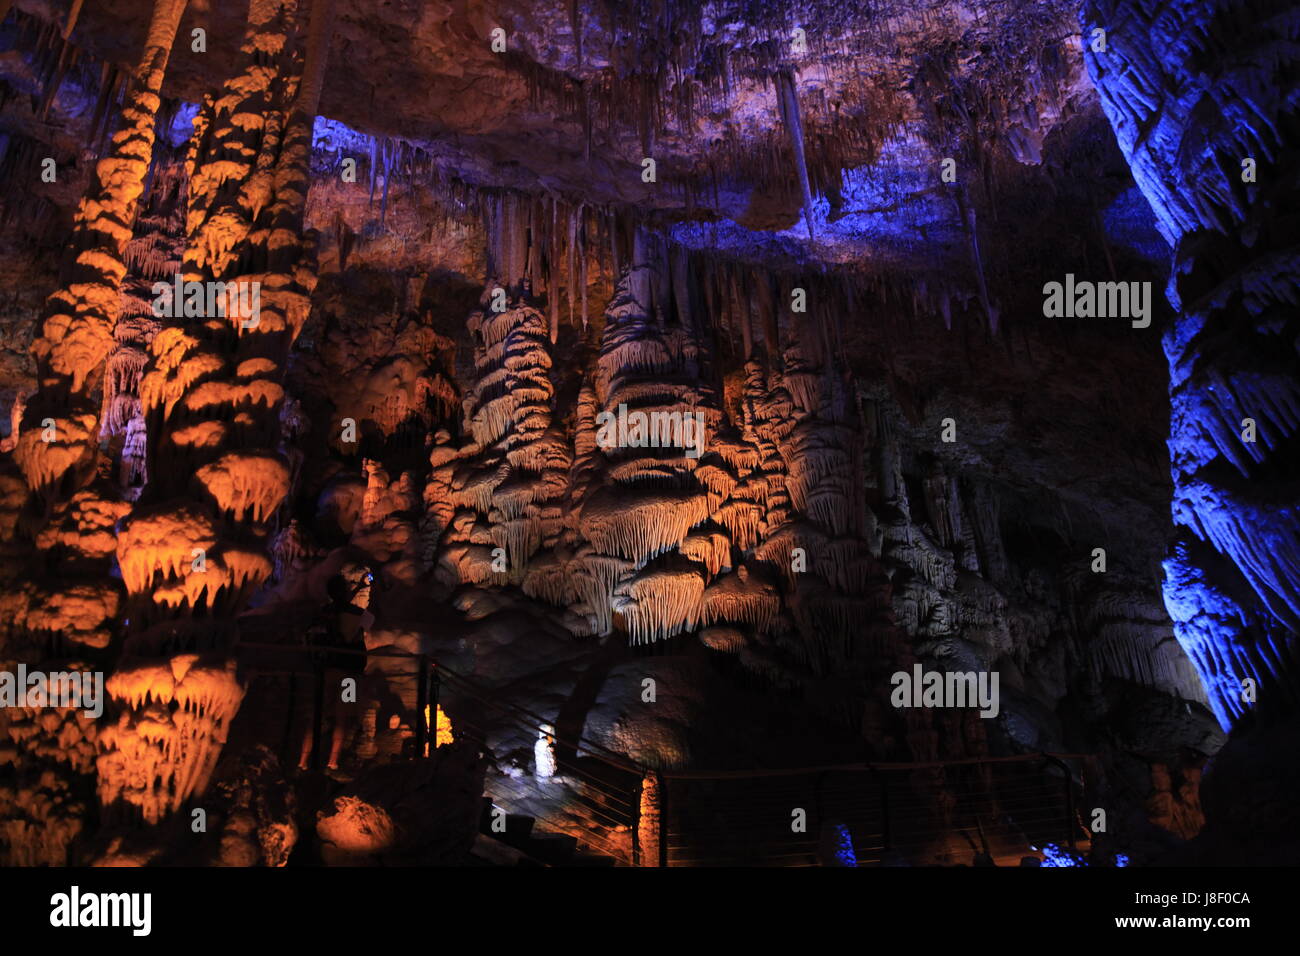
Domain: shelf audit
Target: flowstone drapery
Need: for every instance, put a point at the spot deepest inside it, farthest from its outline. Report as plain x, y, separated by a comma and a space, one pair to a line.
1211, 141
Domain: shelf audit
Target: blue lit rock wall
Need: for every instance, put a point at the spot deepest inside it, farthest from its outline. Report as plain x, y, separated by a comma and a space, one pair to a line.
1203, 104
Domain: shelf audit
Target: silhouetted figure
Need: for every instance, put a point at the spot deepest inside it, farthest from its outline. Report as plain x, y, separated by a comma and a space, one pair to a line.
342, 625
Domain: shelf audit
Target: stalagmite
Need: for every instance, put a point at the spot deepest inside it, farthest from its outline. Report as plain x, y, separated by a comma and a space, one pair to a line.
76, 332
75, 503
71, 23
198, 377
649, 820
213, 402
516, 472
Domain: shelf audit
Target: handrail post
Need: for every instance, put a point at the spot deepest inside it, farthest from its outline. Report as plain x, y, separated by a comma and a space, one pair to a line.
1069, 796
638, 792
422, 719
886, 839
318, 718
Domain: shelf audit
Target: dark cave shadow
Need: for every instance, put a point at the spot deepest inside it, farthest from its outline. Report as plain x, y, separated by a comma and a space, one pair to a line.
572, 718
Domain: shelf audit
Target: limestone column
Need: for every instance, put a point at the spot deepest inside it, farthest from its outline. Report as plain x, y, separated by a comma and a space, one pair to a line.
1202, 100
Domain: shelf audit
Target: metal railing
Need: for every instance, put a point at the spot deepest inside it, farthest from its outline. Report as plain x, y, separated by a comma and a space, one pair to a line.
261, 660
987, 811
594, 793
601, 789
980, 810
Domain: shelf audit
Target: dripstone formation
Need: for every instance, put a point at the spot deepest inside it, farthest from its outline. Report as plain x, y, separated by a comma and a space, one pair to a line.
407, 405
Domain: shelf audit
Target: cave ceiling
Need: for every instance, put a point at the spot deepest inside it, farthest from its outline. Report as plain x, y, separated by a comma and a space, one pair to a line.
888, 90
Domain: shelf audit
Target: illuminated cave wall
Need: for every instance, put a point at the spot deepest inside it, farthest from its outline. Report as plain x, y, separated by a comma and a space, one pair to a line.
911, 464
1211, 139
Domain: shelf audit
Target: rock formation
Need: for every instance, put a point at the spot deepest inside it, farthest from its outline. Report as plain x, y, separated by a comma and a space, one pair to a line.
638, 396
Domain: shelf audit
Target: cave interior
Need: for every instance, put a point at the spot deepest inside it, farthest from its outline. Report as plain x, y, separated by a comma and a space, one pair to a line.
649, 432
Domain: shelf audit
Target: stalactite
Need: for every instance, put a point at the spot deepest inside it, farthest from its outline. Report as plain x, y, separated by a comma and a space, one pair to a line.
374, 168
977, 260
52, 83
582, 263
789, 98
387, 160
570, 254
174, 721
71, 24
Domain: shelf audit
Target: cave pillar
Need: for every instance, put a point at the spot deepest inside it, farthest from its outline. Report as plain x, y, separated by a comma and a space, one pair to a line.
1199, 98
194, 549
59, 427
63, 510
213, 390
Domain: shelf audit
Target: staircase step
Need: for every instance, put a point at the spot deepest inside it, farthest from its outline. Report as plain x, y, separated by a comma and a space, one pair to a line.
519, 826
518, 832
500, 854
589, 859
556, 849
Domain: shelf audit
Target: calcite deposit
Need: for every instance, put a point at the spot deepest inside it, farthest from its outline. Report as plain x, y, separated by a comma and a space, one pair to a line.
456, 432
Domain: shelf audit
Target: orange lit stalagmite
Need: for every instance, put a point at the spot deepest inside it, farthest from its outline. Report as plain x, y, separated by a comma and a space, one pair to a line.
212, 392
71, 513
152, 256
194, 549
51, 749
69, 605
77, 331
